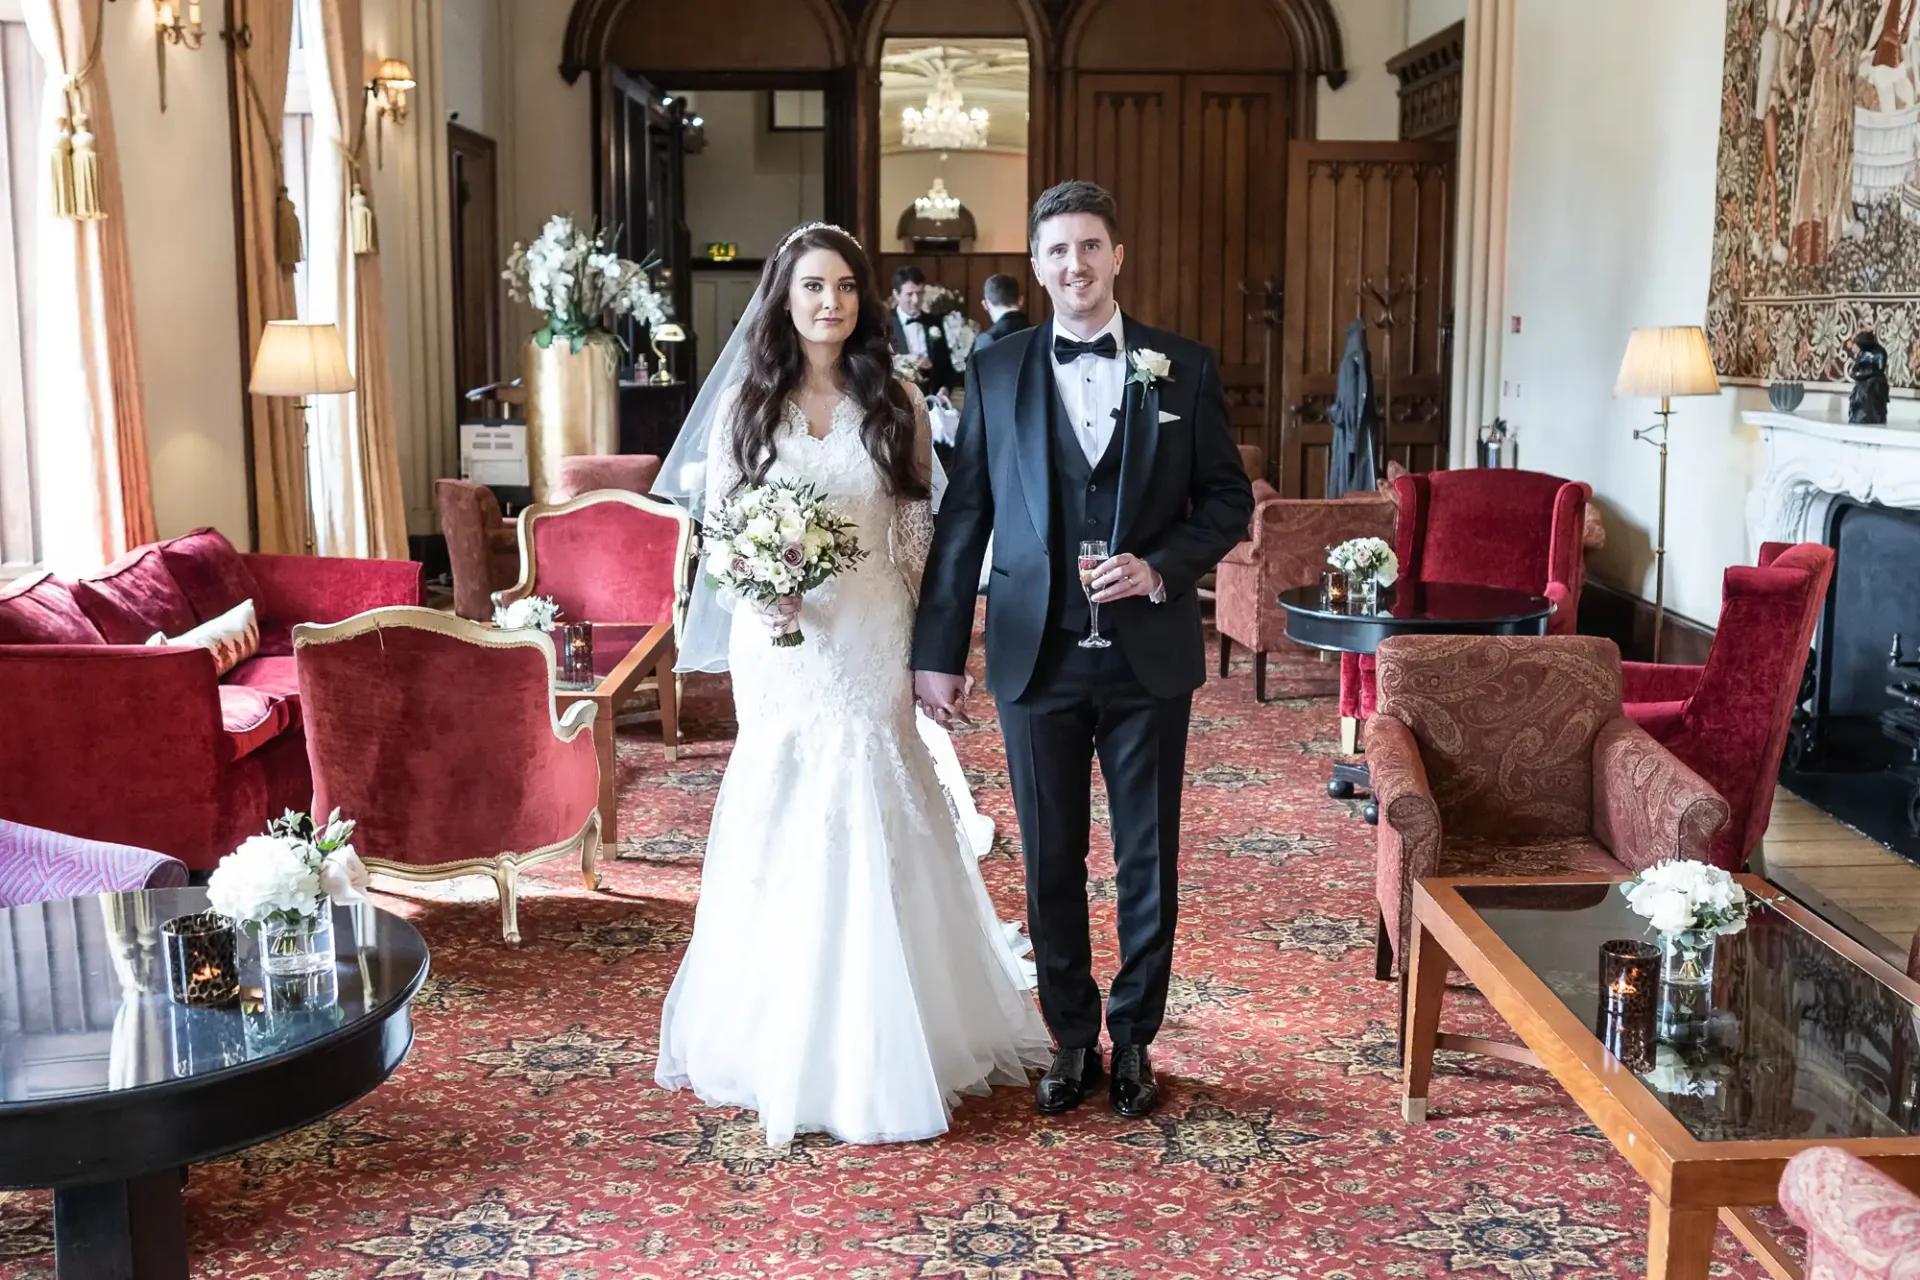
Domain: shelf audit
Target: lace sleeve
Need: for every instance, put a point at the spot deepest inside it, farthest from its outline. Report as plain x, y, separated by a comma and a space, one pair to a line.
911, 535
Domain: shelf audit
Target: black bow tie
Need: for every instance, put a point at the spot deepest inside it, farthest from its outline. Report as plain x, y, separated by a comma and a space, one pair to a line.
1066, 349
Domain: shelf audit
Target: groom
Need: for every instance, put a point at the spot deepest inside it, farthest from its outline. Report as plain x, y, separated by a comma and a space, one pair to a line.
1089, 427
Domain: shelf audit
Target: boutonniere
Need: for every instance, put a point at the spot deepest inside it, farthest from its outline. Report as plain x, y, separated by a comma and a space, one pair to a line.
1149, 366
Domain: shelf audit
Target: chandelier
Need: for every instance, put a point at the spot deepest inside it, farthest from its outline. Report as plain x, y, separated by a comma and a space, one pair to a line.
945, 124
937, 205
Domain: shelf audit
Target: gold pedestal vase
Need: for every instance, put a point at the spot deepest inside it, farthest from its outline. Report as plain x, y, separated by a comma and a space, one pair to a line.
573, 404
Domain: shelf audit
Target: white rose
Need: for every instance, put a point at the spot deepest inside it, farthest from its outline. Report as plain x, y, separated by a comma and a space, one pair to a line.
264, 875
1387, 572
1671, 913
343, 877
762, 528
1153, 363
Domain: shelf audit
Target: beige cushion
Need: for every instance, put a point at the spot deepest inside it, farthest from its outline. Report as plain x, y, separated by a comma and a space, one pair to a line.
231, 638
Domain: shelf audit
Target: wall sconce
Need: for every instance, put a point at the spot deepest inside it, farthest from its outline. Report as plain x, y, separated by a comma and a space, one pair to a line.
388, 93
168, 29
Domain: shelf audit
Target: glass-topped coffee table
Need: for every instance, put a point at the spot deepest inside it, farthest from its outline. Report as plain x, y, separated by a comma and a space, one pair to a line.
625, 656
1813, 1041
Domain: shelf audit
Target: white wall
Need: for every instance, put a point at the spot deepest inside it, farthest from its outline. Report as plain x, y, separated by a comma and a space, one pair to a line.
471, 65
547, 138
176, 175
1424, 17
992, 185
1615, 133
751, 185
1367, 106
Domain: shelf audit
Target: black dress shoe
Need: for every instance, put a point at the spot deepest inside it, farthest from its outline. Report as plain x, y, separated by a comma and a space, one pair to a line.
1065, 1086
1134, 1092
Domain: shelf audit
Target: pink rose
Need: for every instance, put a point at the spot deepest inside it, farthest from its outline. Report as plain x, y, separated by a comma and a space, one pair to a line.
794, 556
739, 567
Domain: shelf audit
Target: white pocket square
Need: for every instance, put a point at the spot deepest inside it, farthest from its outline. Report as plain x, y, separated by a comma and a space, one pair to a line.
1169, 417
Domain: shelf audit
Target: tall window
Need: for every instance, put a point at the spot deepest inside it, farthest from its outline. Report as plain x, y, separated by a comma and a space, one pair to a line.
20, 88
296, 148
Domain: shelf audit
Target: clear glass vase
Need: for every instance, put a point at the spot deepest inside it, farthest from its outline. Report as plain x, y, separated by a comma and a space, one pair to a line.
1686, 986
304, 946
1365, 591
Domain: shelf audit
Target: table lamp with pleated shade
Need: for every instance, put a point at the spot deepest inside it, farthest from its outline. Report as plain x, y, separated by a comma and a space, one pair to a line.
297, 360
1665, 362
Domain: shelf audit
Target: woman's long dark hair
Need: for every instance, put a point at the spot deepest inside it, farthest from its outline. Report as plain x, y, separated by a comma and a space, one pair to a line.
777, 365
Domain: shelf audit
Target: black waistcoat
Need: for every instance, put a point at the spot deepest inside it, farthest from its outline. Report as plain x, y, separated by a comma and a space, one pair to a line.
1085, 498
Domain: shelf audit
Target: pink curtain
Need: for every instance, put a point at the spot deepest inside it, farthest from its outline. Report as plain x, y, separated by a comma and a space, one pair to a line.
90, 439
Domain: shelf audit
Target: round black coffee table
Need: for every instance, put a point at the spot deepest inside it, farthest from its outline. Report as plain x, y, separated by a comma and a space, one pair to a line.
1404, 609
109, 1090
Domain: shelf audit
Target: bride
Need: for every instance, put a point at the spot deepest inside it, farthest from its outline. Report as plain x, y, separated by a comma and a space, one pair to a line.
846, 974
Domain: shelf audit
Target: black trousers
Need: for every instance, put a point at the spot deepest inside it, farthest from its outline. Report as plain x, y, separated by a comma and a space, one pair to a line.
1083, 703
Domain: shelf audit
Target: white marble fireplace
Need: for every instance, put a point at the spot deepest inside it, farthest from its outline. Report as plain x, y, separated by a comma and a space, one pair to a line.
1810, 462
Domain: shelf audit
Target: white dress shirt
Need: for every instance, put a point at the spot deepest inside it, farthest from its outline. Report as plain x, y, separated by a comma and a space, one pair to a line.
1093, 389
916, 330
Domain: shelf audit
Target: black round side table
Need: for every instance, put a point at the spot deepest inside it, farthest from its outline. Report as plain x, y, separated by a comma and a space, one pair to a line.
109, 1090
1407, 608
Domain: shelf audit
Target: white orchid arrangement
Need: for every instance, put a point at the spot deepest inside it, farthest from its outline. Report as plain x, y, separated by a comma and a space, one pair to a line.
1366, 558
776, 540
578, 284
946, 306
1149, 366
528, 613
289, 874
1683, 896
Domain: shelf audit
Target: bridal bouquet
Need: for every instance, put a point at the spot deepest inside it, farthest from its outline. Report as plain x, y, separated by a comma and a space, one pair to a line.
287, 876
776, 540
906, 367
574, 279
1361, 558
1680, 896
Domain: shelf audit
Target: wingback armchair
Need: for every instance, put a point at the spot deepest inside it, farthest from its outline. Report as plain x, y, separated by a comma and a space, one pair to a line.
1509, 755
441, 738
1728, 719
1860, 1224
482, 548
1492, 527
44, 866
1288, 549
583, 473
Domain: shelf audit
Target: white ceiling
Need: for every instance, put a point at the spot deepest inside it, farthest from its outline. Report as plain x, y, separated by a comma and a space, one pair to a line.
991, 74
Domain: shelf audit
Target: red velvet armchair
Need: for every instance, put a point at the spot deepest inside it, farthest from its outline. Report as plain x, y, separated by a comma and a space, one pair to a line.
1488, 526
441, 739
1509, 755
1729, 718
1288, 549
483, 550
1860, 1224
583, 473
107, 738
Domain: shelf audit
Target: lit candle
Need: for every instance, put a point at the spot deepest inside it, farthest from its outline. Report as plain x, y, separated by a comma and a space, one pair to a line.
193, 14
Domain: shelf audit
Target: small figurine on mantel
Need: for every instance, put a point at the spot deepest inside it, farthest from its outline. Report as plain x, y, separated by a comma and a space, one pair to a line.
1867, 405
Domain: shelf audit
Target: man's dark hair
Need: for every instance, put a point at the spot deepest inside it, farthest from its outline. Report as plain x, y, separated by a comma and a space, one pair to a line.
1075, 196
908, 274
1002, 291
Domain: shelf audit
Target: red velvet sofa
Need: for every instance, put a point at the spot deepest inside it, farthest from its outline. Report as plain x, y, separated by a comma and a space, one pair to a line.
107, 738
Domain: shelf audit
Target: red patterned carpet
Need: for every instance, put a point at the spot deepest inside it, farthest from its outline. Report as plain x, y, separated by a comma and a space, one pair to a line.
524, 1136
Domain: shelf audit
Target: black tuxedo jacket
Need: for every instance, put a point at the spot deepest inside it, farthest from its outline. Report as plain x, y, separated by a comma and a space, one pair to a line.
1184, 503
1006, 326
941, 377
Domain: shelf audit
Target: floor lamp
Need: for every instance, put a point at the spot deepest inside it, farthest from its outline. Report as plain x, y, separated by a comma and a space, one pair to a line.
297, 360
1665, 363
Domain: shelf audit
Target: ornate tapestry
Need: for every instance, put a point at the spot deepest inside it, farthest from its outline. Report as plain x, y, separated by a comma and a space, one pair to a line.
1817, 223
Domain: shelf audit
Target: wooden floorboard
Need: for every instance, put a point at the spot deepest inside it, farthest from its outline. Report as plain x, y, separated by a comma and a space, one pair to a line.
1859, 884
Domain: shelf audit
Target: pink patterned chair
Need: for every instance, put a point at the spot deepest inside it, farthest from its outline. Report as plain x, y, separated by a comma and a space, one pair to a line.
441, 739
1860, 1224
1488, 526
613, 556
584, 473
45, 866
1288, 549
1509, 755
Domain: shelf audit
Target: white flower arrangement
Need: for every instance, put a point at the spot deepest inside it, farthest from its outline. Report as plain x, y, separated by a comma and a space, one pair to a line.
776, 540
1149, 366
528, 613
1674, 1076
943, 304
577, 283
1683, 896
1366, 558
289, 874
906, 367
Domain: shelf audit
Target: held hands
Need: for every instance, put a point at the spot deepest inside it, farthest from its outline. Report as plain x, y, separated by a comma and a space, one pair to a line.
942, 696
779, 616
1123, 576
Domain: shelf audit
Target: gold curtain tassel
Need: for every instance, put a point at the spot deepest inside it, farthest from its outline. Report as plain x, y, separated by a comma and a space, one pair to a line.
60, 178
365, 236
286, 231
86, 172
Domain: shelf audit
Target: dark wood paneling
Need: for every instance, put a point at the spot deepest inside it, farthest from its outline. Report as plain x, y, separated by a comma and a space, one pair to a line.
1138, 35
1359, 211
476, 257
1627, 620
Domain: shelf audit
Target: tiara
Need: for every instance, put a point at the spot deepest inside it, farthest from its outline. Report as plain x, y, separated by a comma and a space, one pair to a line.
799, 231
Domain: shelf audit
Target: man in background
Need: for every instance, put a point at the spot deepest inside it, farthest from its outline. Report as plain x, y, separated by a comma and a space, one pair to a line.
1003, 308
919, 336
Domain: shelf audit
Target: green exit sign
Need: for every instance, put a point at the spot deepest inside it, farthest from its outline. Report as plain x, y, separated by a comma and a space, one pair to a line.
721, 252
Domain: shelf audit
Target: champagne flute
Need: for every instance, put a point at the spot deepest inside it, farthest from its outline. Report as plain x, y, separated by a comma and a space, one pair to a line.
1092, 556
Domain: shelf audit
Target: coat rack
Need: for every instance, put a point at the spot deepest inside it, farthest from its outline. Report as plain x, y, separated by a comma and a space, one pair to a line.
1266, 307
1386, 294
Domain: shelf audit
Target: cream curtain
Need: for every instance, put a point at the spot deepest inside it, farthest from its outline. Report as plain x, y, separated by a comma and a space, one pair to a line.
279, 435
1480, 245
90, 441
356, 452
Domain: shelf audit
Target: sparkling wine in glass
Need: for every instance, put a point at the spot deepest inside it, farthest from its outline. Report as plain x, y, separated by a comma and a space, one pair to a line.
1092, 556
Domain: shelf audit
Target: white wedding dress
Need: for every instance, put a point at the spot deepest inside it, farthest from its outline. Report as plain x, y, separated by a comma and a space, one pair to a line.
847, 973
